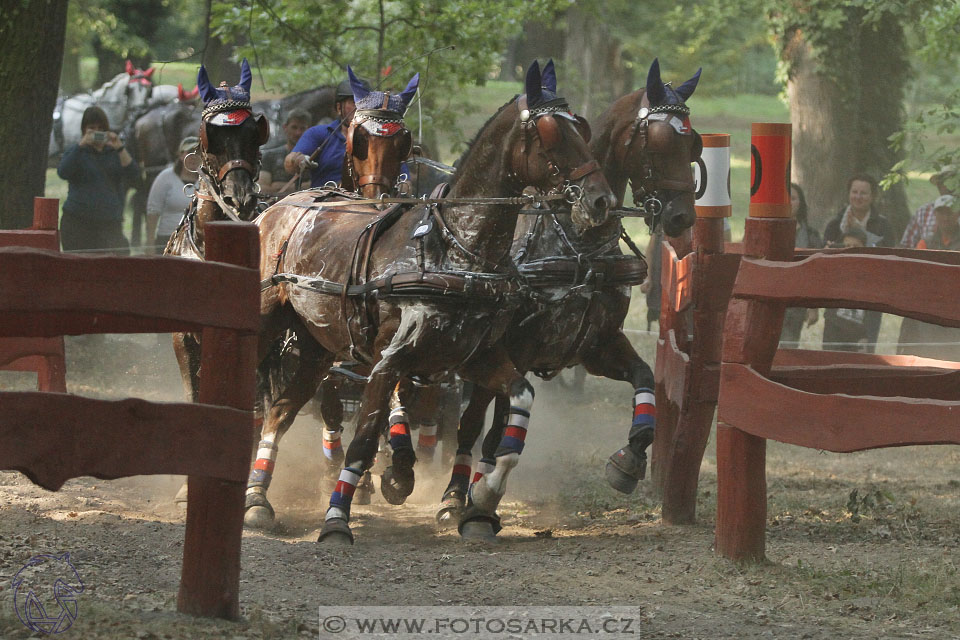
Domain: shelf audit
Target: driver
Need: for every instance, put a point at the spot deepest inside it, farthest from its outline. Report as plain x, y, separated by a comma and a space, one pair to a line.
330, 139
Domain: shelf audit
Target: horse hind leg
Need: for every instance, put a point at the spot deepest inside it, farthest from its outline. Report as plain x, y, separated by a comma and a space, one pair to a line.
278, 417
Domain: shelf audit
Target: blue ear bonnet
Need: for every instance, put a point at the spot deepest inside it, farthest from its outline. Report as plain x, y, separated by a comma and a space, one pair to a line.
541, 86
223, 98
366, 99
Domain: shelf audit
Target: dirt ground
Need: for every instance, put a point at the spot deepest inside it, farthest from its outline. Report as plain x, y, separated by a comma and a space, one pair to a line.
858, 546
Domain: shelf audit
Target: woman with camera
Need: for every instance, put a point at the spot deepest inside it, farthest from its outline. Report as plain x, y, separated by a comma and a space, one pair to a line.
97, 170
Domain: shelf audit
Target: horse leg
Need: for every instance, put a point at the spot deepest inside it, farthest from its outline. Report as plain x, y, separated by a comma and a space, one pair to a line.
428, 405
278, 416
186, 348
331, 414
617, 359
361, 452
397, 480
471, 425
497, 373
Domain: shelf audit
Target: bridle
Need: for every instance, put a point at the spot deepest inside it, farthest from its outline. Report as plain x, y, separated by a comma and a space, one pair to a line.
542, 119
648, 186
212, 173
383, 123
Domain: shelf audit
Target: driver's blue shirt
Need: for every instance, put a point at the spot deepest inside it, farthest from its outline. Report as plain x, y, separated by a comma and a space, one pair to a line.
330, 159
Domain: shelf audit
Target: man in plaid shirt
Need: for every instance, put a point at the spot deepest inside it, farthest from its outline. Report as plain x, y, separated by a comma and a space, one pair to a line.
923, 221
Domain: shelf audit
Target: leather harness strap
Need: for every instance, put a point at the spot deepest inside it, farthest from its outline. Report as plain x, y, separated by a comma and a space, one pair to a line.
227, 167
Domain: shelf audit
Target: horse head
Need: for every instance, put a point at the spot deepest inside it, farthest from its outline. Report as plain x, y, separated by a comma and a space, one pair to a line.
230, 140
378, 141
655, 149
548, 150
139, 85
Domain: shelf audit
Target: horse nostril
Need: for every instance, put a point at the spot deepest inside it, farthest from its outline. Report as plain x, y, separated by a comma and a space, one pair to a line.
602, 203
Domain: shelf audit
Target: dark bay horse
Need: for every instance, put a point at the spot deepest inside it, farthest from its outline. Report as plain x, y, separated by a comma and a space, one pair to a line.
582, 284
229, 154
429, 291
377, 143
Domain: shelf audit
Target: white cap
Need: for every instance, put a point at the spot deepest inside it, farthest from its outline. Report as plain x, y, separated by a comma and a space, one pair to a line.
945, 201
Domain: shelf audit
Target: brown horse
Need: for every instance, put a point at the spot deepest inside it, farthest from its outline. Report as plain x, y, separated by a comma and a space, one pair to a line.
229, 154
426, 292
377, 143
582, 281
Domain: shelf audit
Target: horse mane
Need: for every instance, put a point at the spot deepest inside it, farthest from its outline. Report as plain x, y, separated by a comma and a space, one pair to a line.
465, 156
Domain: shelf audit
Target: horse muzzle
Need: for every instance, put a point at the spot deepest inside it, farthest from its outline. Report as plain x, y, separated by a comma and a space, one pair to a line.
240, 192
678, 213
591, 206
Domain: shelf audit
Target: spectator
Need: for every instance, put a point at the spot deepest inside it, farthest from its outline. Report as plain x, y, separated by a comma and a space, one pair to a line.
921, 224
851, 329
327, 142
96, 170
932, 340
273, 174
860, 212
168, 200
807, 238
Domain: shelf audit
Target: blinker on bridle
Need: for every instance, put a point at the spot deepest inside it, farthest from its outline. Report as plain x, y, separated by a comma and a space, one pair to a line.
542, 118
648, 191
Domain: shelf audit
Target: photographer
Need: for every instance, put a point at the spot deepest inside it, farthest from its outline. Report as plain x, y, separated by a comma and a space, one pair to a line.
97, 170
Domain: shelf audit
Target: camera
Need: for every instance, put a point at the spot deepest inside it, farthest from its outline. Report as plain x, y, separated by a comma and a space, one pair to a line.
100, 136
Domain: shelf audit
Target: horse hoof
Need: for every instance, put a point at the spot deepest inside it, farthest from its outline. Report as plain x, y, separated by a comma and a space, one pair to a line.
337, 532
451, 508
395, 487
625, 469
477, 531
258, 518
448, 516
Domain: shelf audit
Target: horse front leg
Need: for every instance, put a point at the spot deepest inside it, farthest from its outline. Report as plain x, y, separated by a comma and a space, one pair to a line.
496, 372
362, 451
186, 348
280, 410
454, 498
617, 359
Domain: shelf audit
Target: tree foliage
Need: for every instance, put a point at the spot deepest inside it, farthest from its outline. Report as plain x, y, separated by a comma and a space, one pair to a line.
451, 44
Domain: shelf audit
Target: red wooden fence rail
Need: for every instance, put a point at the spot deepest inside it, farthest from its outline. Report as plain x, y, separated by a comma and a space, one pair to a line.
53, 437
44, 356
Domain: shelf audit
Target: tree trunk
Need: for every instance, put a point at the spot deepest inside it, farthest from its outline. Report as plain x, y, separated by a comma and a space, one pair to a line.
592, 71
844, 111
220, 66
30, 93
824, 146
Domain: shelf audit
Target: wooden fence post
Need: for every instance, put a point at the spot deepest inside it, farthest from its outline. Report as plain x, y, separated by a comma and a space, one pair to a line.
689, 436
210, 579
752, 333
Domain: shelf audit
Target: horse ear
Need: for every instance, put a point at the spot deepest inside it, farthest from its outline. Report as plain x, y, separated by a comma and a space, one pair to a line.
129, 68
533, 84
148, 73
656, 93
407, 94
207, 91
549, 79
246, 78
687, 88
359, 93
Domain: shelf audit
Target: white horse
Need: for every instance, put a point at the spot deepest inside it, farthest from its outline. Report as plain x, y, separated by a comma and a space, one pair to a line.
124, 98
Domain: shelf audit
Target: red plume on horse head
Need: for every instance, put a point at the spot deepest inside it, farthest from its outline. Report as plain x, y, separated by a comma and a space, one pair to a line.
187, 96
